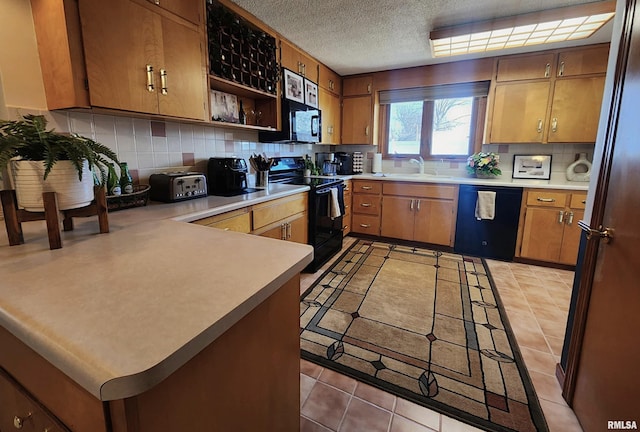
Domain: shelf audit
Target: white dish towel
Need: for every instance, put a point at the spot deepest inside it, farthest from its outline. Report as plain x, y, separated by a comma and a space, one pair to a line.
334, 204
486, 205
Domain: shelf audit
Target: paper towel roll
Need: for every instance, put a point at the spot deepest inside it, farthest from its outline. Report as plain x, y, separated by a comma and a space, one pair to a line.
376, 165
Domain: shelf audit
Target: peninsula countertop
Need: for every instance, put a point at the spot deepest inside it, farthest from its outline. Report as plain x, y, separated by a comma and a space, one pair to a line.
119, 312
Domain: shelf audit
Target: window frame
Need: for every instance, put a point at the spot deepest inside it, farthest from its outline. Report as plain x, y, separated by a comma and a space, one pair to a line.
478, 115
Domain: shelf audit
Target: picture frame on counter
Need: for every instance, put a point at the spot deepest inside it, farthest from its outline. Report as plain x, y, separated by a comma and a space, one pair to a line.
224, 107
532, 167
293, 86
310, 93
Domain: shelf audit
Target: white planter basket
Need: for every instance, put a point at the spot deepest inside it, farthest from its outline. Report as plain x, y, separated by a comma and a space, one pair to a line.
63, 180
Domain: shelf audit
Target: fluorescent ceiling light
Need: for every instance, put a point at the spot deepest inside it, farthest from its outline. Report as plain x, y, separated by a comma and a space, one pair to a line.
555, 25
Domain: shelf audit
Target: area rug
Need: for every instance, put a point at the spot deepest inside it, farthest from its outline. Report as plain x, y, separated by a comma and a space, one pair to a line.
425, 325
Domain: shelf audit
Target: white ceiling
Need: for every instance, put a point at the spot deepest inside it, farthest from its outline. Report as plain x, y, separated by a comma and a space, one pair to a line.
357, 36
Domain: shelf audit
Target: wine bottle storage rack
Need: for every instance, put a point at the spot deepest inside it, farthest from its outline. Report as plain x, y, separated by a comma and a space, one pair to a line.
240, 52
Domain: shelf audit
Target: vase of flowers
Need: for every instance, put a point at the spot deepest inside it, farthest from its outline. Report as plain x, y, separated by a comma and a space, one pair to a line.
483, 165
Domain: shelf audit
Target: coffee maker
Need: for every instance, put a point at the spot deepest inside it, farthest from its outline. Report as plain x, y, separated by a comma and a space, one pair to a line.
345, 163
226, 176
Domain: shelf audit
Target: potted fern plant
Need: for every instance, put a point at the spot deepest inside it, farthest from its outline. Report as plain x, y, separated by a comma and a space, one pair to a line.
43, 160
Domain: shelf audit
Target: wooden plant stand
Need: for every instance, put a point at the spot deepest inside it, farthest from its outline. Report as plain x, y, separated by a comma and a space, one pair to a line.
13, 216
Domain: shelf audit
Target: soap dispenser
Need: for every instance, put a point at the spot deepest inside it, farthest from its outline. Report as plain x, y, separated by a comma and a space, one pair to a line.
580, 170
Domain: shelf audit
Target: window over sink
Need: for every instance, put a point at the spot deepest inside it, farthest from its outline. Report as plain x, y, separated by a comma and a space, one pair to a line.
433, 122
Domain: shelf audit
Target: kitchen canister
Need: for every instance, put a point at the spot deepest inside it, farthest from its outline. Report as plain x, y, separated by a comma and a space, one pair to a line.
580, 170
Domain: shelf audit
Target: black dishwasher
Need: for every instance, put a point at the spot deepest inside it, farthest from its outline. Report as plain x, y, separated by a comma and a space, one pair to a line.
488, 238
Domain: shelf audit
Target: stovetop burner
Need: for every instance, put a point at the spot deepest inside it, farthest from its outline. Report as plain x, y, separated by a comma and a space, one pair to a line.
289, 170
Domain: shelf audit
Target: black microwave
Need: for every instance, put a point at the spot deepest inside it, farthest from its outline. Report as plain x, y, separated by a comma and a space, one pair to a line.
300, 123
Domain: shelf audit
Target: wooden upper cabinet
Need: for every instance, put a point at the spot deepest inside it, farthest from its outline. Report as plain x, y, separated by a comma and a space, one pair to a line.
187, 9
519, 112
357, 116
575, 110
357, 86
592, 60
297, 61
139, 60
330, 106
329, 80
537, 66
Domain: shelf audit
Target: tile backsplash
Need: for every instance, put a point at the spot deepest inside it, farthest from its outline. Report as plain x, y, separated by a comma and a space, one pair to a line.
151, 146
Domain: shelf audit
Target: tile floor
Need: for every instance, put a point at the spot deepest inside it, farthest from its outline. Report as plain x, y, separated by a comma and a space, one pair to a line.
536, 300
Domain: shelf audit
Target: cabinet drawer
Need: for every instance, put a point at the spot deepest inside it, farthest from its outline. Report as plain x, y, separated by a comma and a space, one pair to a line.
368, 187
365, 224
368, 204
578, 201
238, 220
21, 411
544, 198
419, 190
273, 211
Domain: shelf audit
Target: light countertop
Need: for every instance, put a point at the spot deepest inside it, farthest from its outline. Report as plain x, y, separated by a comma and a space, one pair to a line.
119, 312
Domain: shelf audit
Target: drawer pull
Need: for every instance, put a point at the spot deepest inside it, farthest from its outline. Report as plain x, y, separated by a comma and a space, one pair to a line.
366, 187
365, 225
365, 204
18, 422
584, 201
546, 199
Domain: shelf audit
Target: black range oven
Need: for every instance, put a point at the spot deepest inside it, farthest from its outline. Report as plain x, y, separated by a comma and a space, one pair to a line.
327, 193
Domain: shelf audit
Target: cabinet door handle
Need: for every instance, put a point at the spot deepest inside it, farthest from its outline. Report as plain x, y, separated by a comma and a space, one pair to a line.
344, 228
366, 187
584, 201
163, 82
18, 422
150, 84
546, 199
157, 2
561, 70
283, 232
366, 131
288, 230
561, 217
418, 205
547, 70
411, 206
540, 124
346, 189
304, 69
365, 225
554, 124
365, 204
368, 88
570, 218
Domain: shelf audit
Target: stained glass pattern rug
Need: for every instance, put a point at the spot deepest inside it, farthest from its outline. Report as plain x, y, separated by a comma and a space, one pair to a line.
425, 325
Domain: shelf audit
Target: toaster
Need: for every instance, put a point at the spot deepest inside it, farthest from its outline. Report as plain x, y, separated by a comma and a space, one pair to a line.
177, 186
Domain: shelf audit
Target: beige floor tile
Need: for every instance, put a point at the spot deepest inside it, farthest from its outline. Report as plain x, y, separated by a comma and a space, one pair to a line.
307, 425
549, 312
560, 418
401, 424
538, 361
310, 369
362, 416
325, 405
375, 396
306, 385
547, 387
555, 344
530, 337
418, 414
552, 328
338, 380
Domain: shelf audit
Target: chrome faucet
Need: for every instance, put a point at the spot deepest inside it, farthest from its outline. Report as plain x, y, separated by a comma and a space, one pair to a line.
419, 162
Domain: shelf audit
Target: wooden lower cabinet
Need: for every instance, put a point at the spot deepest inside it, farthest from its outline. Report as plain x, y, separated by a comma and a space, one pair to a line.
419, 212
549, 225
256, 363
283, 219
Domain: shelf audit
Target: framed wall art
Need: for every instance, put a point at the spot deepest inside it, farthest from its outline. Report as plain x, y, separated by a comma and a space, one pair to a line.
224, 107
293, 86
310, 93
532, 167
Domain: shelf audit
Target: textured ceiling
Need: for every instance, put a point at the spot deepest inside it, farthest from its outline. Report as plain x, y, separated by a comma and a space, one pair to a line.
357, 36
